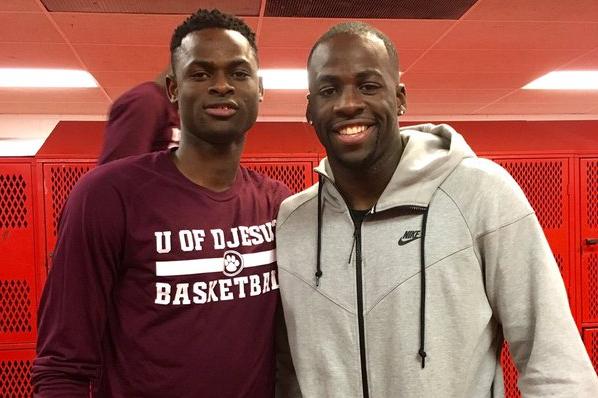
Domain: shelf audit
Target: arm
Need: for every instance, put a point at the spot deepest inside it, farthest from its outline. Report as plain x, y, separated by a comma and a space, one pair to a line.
134, 122
76, 298
528, 297
287, 385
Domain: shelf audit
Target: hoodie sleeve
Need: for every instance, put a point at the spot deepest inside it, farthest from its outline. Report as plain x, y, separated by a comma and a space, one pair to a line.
75, 301
287, 385
529, 300
136, 120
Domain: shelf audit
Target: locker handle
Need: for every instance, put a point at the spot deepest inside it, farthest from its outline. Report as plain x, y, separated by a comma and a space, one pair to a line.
591, 241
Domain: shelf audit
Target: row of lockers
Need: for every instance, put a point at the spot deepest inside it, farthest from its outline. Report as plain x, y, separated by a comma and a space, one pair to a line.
562, 190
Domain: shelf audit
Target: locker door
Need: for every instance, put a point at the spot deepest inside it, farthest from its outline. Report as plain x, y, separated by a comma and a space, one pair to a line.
589, 239
17, 280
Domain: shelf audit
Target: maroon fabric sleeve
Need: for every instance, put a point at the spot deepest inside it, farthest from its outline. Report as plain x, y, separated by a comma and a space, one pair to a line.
72, 313
140, 121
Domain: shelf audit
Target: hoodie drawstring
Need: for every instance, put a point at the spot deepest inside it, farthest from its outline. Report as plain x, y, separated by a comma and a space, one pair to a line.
319, 272
422, 297
422, 308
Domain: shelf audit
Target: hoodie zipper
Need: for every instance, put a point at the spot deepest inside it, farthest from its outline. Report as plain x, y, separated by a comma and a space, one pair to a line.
359, 282
360, 317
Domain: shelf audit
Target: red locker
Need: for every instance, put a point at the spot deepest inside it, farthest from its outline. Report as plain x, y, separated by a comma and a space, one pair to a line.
589, 238
17, 274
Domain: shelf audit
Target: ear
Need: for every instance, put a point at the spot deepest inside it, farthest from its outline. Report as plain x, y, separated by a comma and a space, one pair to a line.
261, 88
308, 112
172, 89
401, 99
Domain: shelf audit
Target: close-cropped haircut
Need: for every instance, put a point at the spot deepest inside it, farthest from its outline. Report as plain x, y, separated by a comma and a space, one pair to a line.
204, 19
358, 29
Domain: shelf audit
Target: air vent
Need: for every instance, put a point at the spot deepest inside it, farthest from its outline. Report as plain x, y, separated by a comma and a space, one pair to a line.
237, 7
381, 9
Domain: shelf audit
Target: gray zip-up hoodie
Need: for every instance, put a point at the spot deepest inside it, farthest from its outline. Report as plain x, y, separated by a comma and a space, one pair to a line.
373, 324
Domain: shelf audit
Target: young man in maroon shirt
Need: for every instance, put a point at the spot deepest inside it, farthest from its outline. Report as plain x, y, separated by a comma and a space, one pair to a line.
164, 281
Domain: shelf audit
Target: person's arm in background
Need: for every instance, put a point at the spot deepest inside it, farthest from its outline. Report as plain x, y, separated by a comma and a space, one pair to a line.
76, 298
136, 120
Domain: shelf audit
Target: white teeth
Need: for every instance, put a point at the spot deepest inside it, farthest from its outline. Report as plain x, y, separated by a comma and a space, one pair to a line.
352, 130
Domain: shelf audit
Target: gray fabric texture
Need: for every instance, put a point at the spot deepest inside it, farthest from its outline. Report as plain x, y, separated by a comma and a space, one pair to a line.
490, 275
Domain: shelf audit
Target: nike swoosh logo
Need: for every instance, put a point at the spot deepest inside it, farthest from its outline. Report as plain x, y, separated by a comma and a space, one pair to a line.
403, 241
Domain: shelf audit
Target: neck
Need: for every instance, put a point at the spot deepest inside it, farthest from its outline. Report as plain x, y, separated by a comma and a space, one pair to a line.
212, 166
363, 186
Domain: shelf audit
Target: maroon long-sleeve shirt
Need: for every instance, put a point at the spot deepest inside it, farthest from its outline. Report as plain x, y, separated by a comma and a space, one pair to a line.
161, 288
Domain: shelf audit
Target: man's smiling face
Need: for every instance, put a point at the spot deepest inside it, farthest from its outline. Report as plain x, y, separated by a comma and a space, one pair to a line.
354, 99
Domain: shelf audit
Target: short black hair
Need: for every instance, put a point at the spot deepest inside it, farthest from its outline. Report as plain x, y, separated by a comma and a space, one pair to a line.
359, 29
204, 19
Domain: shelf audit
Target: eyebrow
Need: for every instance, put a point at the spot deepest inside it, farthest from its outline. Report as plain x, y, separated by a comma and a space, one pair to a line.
207, 64
361, 75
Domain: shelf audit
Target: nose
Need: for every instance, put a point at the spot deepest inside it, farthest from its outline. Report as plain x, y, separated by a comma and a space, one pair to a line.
221, 86
349, 103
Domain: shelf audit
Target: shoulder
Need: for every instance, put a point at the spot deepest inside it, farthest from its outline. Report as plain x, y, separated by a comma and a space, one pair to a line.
486, 194
482, 175
293, 204
117, 177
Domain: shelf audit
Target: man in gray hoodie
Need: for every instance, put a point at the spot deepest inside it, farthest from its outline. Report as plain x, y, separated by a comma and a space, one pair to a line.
411, 261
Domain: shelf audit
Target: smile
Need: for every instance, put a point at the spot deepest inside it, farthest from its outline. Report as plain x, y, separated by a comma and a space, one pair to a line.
352, 130
221, 110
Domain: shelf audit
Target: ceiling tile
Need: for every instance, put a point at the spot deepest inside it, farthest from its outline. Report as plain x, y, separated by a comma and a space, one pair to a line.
449, 108
552, 97
303, 33
465, 81
124, 58
585, 62
115, 92
237, 7
534, 10
513, 108
27, 27
488, 61
453, 96
279, 57
19, 5
127, 29
479, 35
37, 55
122, 79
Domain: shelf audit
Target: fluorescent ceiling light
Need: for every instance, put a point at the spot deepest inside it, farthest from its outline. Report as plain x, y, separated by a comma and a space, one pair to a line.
50, 78
566, 80
284, 79
20, 147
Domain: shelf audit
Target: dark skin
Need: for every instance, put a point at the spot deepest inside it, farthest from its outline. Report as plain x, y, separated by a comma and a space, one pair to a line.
354, 102
217, 90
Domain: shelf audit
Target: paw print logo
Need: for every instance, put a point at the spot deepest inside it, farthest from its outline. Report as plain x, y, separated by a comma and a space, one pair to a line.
233, 263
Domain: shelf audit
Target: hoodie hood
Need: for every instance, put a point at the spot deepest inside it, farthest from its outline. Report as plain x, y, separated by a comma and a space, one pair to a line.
430, 153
